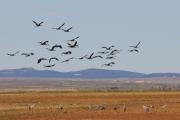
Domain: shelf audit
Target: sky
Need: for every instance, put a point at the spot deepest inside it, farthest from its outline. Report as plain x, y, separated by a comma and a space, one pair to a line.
156, 23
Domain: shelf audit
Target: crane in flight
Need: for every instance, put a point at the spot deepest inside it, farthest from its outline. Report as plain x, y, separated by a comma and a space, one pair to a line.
48, 66
41, 59
80, 58
44, 43
73, 45
74, 39
27, 54
136, 46
134, 50
108, 48
60, 27
13, 54
109, 64
66, 53
38, 24
67, 30
53, 58
67, 60
53, 47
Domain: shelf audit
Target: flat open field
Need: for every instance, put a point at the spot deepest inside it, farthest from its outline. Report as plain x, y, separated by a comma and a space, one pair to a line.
88, 105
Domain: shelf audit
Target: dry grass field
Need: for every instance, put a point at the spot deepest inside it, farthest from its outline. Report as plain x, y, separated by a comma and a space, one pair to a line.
88, 105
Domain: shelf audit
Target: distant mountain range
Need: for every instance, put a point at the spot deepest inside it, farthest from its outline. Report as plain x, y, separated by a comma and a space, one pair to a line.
85, 74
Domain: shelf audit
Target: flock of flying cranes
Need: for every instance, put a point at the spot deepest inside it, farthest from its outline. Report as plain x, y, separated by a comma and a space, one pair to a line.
108, 53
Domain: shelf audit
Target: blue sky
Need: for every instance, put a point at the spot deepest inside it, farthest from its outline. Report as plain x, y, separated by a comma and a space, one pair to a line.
99, 23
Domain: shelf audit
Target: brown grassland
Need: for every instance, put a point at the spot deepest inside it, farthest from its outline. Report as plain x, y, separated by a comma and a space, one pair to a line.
85, 105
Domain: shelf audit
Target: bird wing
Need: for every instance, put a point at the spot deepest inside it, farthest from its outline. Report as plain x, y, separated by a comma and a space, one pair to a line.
35, 23
91, 55
55, 58
75, 43
70, 58
130, 50
59, 46
83, 57
48, 49
53, 47
136, 50
39, 60
44, 58
46, 41
16, 52
41, 23
62, 25
105, 47
100, 56
50, 60
69, 44
31, 53
112, 62
23, 53
69, 28
138, 43
112, 46
77, 37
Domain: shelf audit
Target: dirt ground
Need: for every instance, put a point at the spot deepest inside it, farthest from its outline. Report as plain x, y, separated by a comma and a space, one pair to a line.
89, 105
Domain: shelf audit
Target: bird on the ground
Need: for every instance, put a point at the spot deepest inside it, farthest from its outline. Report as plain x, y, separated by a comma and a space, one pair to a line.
134, 50
60, 107
41, 59
30, 107
13, 54
163, 107
59, 28
38, 24
108, 48
115, 108
73, 45
136, 46
27, 54
124, 108
67, 60
74, 39
102, 107
147, 108
53, 58
67, 30
66, 52
48, 66
44, 43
